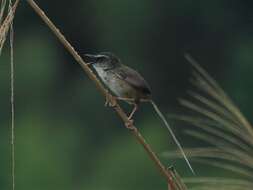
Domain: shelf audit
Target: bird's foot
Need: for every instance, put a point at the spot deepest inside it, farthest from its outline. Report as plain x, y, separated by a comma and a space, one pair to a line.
130, 124
110, 100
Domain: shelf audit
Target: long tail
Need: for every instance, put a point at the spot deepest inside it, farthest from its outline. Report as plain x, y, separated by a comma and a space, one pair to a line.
159, 113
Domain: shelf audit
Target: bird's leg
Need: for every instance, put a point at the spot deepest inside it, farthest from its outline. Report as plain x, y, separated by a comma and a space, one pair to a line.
107, 99
125, 99
131, 101
110, 100
133, 111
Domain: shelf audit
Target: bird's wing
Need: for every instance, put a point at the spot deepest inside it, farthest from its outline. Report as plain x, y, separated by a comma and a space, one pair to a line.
133, 78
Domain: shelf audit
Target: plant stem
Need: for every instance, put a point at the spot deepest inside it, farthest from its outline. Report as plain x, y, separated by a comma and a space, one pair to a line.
5, 25
166, 173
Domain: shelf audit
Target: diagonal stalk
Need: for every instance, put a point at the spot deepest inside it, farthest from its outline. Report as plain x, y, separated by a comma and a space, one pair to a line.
129, 125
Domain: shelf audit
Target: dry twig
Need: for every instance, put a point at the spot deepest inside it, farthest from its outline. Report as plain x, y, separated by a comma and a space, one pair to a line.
129, 125
5, 26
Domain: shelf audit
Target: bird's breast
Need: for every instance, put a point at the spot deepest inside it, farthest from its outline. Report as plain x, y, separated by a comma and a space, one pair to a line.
118, 86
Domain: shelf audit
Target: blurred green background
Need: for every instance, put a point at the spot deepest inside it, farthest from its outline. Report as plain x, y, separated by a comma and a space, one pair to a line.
65, 137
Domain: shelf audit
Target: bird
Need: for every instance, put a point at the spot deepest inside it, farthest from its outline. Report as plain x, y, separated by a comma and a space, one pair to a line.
127, 85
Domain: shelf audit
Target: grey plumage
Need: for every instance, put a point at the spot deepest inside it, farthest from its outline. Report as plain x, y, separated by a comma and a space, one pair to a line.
127, 84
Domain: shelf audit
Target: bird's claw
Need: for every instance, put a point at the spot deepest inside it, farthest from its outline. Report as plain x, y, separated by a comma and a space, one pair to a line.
129, 124
110, 100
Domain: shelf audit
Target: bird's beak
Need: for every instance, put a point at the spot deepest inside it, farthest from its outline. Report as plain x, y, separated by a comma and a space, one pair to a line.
90, 59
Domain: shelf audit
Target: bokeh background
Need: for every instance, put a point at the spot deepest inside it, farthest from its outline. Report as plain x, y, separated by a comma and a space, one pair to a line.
65, 137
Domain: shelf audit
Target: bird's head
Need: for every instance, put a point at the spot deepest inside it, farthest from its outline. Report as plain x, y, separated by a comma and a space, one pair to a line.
104, 60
